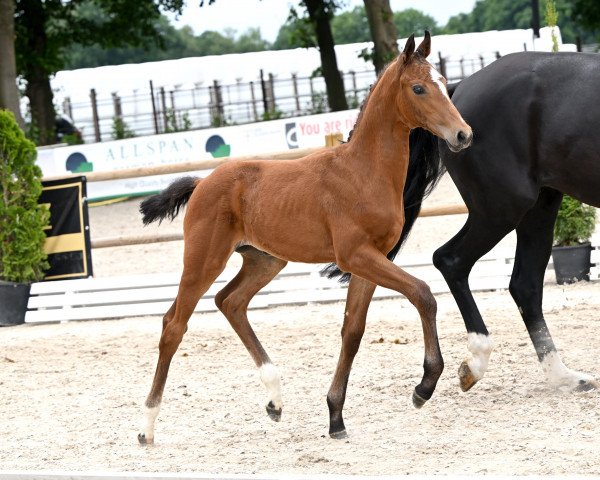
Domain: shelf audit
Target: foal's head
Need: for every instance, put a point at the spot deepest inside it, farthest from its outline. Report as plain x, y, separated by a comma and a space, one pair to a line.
423, 100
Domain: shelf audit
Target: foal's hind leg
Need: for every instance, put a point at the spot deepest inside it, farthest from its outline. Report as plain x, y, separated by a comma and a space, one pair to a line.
534, 246
360, 292
205, 257
258, 269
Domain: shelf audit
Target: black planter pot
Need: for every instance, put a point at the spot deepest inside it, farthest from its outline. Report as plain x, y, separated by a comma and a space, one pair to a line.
13, 303
572, 264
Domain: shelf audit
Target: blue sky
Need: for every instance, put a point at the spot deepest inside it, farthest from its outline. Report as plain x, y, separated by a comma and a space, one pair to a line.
269, 15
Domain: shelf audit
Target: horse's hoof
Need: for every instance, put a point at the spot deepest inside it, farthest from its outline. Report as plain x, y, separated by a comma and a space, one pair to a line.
143, 440
339, 435
274, 413
418, 400
467, 380
587, 385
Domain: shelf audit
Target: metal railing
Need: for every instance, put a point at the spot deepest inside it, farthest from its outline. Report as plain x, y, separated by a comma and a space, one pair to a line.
160, 110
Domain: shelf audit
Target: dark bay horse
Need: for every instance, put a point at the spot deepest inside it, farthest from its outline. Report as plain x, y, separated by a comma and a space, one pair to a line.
343, 205
536, 125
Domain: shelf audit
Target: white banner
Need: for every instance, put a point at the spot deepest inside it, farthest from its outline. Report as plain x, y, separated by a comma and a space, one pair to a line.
195, 145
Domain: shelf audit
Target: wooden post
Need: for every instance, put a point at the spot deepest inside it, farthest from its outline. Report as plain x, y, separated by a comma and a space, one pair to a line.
163, 103
263, 87
117, 106
173, 111
154, 113
67, 107
296, 96
253, 96
442, 65
354, 89
95, 115
333, 139
271, 93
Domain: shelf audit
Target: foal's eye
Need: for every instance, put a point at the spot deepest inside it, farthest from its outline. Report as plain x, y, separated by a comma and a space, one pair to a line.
418, 89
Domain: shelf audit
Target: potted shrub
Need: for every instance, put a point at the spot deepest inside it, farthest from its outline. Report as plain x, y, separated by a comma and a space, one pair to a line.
574, 226
22, 221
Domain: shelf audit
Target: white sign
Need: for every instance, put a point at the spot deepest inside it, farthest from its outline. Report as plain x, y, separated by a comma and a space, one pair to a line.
172, 148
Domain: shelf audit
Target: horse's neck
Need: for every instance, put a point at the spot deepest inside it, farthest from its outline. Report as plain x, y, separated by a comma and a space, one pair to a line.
379, 142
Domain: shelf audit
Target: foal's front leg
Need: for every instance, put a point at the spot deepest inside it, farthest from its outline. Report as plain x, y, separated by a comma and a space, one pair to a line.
372, 265
359, 296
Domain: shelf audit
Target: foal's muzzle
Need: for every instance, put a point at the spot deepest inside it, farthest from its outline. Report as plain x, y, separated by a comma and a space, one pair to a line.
462, 140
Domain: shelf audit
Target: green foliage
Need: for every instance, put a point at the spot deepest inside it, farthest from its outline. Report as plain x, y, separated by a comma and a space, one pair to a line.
173, 125
296, 32
318, 103
575, 222
414, 21
512, 14
587, 14
274, 115
22, 219
121, 130
351, 26
551, 21
72, 139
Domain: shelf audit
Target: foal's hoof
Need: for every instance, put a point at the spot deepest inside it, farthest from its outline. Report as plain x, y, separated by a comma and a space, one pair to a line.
418, 400
466, 377
274, 413
339, 435
143, 440
587, 385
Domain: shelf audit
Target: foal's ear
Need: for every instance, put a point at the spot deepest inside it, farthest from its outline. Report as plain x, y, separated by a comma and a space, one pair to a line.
409, 48
425, 48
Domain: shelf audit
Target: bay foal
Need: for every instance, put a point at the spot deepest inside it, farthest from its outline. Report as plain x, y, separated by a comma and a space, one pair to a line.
343, 205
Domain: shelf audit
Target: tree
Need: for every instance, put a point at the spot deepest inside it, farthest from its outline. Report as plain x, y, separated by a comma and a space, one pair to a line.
411, 21
46, 27
383, 32
511, 14
351, 26
587, 14
9, 93
320, 13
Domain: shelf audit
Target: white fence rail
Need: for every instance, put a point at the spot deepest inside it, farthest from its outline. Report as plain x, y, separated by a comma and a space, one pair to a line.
127, 296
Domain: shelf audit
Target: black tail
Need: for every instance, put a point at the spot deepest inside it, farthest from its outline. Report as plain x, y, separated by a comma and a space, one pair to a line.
424, 171
168, 202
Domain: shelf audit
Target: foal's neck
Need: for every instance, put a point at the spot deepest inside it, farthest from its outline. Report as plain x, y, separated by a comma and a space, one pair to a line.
380, 138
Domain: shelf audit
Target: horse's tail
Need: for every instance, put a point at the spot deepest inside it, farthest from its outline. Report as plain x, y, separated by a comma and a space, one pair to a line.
424, 171
168, 202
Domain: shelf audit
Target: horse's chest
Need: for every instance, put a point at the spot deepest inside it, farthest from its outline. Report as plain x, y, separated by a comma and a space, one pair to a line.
383, 224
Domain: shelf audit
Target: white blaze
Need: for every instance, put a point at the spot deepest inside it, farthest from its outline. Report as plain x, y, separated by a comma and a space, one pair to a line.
437, 79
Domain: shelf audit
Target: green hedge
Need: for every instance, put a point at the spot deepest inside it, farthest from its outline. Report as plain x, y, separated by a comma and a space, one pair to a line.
22, 220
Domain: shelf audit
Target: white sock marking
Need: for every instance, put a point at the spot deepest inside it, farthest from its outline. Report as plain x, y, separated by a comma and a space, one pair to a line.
271, 379
150, 415
558, 375
480, 346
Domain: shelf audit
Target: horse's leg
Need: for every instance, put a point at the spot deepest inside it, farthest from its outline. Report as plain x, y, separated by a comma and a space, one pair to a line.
454, 260
258, 269
370, 264
534, 246
206, 253
359, 296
